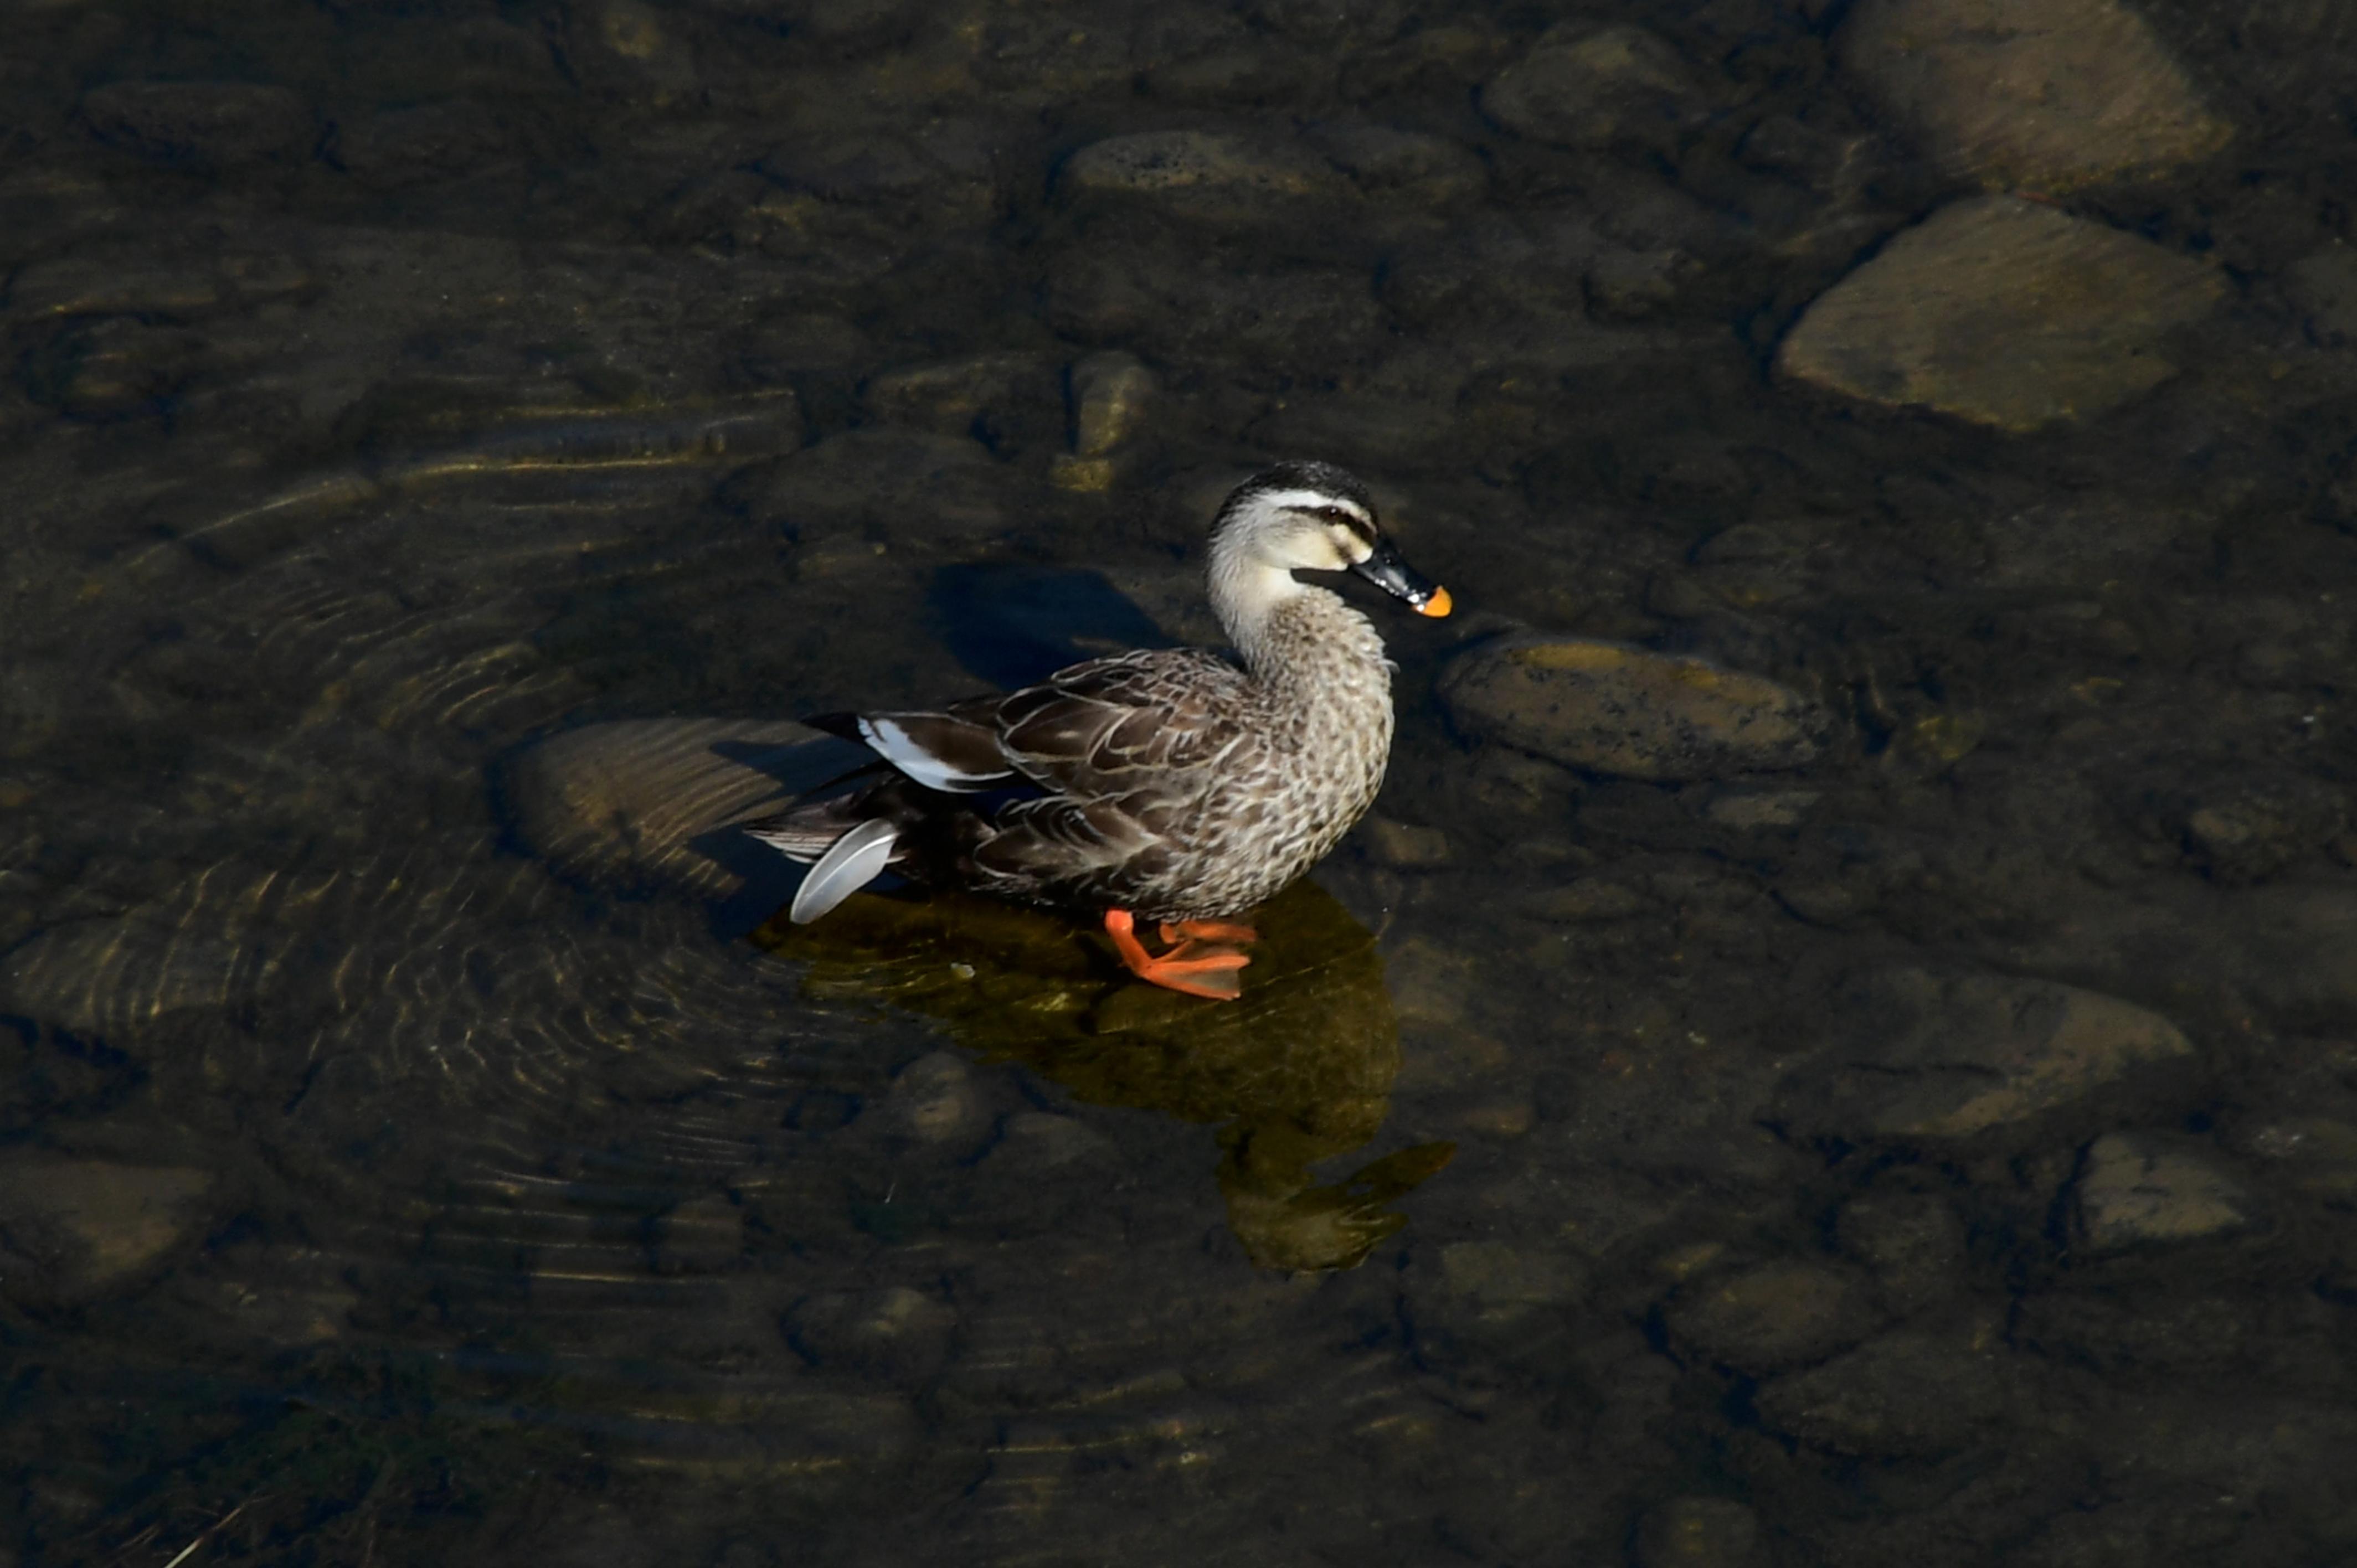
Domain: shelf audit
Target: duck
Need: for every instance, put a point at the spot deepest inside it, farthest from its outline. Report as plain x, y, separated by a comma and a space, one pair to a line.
1180, 787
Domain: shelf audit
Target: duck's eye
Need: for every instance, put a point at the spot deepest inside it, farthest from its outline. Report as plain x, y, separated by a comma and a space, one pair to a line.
1348, 523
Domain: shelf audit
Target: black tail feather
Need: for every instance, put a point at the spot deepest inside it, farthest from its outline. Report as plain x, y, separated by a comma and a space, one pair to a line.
843, 725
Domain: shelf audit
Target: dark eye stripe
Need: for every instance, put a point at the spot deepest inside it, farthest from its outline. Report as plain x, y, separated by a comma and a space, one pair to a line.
1350, 521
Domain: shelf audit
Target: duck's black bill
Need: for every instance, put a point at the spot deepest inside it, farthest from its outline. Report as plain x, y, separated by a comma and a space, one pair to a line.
1387, 571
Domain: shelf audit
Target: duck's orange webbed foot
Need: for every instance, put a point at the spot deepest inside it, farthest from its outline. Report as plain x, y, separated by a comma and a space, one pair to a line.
1190, 967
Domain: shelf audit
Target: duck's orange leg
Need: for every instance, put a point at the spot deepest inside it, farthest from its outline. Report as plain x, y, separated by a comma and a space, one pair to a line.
1208, 932
1208, 974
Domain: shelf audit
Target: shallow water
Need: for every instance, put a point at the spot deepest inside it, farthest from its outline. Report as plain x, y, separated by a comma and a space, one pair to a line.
1840, 1045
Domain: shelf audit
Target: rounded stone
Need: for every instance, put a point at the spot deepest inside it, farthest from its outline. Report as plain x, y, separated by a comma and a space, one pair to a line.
2002, 312
1920, 1056
903, 482
1006, 400
1911, 1392
1696, 1532
1613, 709
2147, 1189
1410, 167
2315, 1155
2037, 94
2323, 283
1112, 394
1207, 175
1031, 1143
1776, 1315
209, 122
893, 1332
72, 1231
936, 1100
417, 144
631, 802
1914, 1243
1595, 89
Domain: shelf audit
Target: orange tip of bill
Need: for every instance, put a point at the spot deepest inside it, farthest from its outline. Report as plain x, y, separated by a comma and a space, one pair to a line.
1440, 605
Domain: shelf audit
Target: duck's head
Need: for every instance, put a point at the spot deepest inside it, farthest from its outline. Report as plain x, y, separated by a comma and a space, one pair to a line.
1311, 517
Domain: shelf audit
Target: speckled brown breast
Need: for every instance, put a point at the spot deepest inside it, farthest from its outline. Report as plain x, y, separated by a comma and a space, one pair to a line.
1313, 738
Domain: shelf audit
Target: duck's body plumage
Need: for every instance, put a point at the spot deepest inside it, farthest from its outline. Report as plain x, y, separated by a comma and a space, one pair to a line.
1175, 784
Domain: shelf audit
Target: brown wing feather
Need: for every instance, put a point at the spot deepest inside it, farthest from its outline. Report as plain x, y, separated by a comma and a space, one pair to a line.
1113, 742
1091, 730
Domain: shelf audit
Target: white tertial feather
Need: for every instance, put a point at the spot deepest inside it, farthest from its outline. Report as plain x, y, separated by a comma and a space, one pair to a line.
858, 858
900, 748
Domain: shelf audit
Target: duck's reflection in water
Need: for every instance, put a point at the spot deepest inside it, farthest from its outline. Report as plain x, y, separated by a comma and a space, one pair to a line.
1296, 1071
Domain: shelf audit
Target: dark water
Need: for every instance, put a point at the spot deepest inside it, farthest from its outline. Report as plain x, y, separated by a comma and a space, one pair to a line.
1885, 1092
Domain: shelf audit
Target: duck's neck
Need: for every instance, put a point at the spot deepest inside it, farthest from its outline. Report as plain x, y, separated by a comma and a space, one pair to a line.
1288, 633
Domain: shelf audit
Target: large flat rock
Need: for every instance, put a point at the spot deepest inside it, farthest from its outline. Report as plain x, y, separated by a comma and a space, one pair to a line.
75, 1230
1926, 1057
1614, 709
2005, 313
2038, 94
646, 803
2147, 1189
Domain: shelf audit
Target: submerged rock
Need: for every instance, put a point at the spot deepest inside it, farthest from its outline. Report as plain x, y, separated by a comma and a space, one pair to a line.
2140, 1189
1410, 167
1594, 89
72, 1231
937, 1102
1777, 1314
1933, 1057
114, 367
2297, 948
1008, 400
2315, 1155
639, 801
1206, 176
2246, 825
2005, 313
1909, 1393
1499, 1274
895, 1333
204, 123
1913, 1241
418, 144
1697, 1532
1615, 709
947, 165
2324, 285
1243, 73
1112, 393
913, 485
158, 283
109, 978
2048, 95
1161, 303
